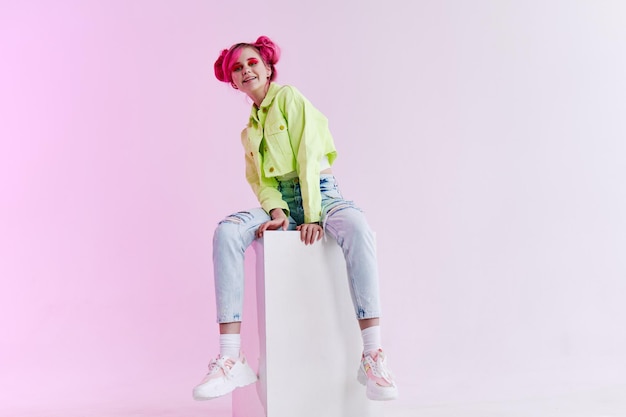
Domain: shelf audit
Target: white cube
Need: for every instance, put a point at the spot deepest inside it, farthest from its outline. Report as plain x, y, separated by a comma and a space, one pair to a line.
305, 341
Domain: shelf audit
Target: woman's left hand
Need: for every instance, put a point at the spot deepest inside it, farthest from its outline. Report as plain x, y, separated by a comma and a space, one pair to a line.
310, 232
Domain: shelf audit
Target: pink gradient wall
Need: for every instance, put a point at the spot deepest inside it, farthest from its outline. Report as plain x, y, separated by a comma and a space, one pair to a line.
485, 142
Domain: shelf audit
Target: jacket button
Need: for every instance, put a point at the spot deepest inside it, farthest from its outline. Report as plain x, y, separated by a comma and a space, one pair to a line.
266, 149
282, 127
251, 153
271, 169
264, 109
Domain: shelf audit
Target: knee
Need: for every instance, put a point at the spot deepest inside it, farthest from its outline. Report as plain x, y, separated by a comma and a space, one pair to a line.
354, 225
229, 228
359, 228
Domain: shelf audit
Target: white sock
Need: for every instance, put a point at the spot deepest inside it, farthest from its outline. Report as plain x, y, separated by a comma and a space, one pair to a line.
230, 345
371, 339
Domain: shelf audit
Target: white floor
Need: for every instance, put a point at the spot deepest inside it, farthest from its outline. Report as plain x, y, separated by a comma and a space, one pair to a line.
605, 403
609, 402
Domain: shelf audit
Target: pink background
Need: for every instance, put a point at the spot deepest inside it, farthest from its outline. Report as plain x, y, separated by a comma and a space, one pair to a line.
485, 141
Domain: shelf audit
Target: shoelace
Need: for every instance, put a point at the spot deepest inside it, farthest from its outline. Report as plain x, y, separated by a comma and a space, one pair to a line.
382, 368
379, 367
222, 363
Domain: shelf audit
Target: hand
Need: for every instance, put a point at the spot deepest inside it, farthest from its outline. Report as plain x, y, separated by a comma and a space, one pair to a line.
279, 220
310, 232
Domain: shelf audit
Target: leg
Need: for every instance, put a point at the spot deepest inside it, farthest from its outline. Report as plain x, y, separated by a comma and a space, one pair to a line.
230, 328
367, 323
232, 237
347, 224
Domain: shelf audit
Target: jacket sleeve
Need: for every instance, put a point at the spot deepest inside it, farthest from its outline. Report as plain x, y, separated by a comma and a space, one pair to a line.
310, 141
265, 189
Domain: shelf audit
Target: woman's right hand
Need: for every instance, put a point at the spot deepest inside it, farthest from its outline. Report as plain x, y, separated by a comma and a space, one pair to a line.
279, 221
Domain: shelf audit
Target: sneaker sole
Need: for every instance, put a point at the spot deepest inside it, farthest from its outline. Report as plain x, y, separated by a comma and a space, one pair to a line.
375, 392
244, 380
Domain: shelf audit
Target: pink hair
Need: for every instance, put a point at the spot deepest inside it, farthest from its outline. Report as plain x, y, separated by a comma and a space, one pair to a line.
267, 49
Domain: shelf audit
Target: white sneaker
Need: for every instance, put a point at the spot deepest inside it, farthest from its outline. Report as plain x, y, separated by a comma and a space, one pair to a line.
376, 376
225, 374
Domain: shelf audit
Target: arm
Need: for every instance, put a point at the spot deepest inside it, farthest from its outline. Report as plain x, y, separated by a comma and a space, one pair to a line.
279, 221
267, 193
265, 189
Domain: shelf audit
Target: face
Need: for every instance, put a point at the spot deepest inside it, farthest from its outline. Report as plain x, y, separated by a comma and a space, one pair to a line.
249, 72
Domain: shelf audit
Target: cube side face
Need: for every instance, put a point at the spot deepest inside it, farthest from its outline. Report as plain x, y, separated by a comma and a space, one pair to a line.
309, 339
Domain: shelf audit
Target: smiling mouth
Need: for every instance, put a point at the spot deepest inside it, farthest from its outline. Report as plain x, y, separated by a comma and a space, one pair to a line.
249, 79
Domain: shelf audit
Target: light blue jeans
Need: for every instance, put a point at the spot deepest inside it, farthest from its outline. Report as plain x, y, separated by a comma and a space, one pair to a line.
342, 220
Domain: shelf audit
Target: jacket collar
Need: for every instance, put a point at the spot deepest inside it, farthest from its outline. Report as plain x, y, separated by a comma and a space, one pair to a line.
267, 101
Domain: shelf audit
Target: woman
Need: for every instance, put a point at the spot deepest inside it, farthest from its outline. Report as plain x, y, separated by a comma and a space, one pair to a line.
289, 152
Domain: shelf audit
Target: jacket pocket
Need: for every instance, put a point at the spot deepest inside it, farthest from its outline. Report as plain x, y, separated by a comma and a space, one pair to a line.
279, 158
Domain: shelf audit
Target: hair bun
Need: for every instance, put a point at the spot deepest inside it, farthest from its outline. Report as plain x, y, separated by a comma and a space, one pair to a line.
270, 52
219, 67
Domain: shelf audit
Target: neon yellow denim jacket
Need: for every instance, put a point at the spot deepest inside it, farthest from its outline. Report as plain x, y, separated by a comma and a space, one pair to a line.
286, 134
